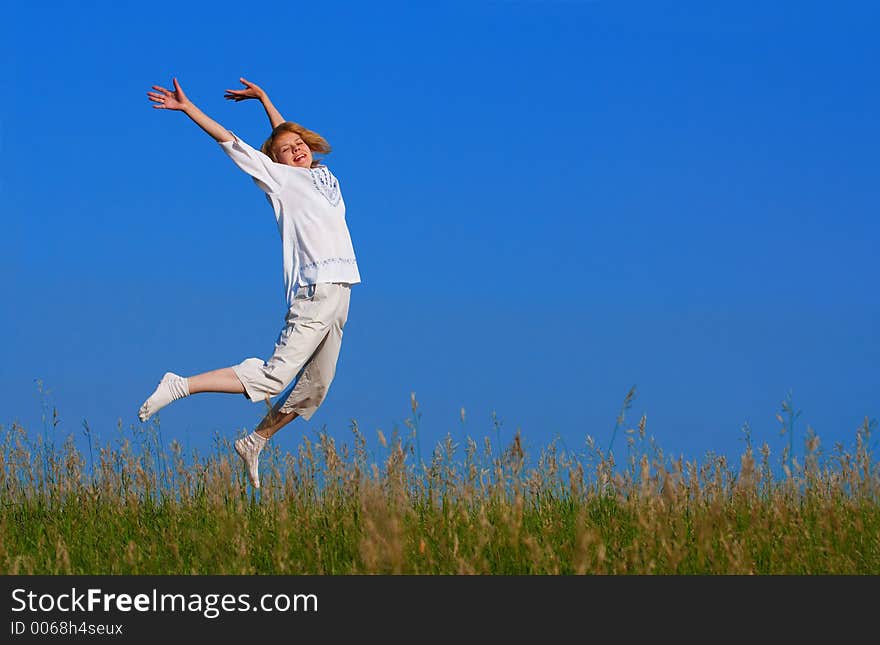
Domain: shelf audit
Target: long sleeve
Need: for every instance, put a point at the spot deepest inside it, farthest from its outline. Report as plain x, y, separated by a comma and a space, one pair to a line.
268, 175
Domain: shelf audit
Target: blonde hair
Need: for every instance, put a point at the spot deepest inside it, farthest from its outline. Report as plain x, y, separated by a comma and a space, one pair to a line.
314, 141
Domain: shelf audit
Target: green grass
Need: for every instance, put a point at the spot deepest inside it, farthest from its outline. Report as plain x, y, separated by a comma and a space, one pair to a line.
133, 506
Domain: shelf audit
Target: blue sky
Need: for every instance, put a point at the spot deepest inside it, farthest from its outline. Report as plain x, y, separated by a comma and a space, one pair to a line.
551, 202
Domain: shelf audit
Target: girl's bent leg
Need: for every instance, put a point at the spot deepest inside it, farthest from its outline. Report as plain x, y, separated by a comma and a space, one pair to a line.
249, 447
314, 383
273, 422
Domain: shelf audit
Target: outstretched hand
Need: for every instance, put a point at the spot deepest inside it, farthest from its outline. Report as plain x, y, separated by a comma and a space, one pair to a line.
251, 91
168, 100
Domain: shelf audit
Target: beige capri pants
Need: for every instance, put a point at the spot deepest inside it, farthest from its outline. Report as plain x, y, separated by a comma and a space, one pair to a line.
309, 342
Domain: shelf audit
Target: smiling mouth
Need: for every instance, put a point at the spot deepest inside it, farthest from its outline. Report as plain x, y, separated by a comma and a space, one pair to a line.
299, 158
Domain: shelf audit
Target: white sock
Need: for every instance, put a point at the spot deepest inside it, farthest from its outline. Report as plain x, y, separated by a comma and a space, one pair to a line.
170, 388
248, 448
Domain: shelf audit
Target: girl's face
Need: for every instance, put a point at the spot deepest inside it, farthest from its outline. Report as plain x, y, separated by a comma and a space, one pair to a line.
291, 150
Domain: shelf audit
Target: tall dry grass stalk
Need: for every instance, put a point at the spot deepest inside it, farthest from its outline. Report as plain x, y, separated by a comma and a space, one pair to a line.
136, 506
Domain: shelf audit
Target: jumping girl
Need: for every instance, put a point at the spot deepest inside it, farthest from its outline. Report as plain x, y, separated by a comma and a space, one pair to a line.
319, 269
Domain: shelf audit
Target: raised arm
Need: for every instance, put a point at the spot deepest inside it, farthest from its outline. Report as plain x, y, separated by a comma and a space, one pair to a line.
254, 91
176, 100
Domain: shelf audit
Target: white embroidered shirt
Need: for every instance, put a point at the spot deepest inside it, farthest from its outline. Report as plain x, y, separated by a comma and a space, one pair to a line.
308, 205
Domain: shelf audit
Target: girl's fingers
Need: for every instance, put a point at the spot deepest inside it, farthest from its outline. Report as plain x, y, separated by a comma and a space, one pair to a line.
236, 95
161, 89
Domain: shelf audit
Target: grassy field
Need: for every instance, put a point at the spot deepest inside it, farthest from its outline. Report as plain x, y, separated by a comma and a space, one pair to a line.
134, 506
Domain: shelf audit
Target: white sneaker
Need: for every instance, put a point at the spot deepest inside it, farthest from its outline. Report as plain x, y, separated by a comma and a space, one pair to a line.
170, 388
248, 448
